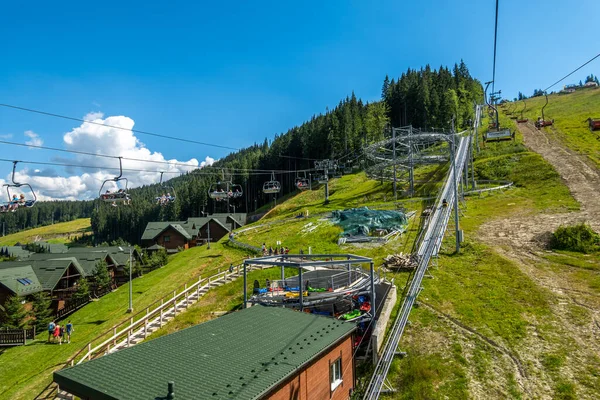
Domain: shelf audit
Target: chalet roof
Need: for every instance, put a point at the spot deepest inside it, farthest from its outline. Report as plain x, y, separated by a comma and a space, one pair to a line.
20, 280
15, 251
193, 225
242, 355
54, 248
47, 270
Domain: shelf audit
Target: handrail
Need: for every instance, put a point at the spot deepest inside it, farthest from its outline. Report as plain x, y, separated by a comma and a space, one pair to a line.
142, 316
148, 314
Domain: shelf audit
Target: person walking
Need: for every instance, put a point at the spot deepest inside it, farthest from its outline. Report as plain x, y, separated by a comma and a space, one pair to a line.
51, 327
61, 334
69, 330
230, 268
56, 332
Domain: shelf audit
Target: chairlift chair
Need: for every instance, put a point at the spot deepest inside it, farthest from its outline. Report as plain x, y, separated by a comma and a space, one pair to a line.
521, 119
163, 199
323, 179
594, 124
17, 201
495, 133
218, 191
348, 169
121, 195
542, 121
302, 183
272, 186
337, 172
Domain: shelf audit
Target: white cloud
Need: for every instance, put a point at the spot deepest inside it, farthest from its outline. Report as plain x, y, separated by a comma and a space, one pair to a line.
106, 140
6, 136
208, 161
35, 139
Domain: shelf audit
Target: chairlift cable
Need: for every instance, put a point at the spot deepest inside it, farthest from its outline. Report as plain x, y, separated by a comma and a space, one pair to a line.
117, 127
572, 72
495, 42
265, 171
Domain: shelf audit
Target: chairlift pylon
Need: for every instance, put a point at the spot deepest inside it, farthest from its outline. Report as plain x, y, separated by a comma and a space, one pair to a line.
121, 195
166, 194
542, 121
15, 201
272, 186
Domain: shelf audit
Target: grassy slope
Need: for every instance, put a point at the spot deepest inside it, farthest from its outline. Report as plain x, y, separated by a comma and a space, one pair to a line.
57, 233
570, 112
27, 369
458, 289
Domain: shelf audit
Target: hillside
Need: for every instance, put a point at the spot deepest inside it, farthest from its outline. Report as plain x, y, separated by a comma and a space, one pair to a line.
505, 318
570, 113
62, 232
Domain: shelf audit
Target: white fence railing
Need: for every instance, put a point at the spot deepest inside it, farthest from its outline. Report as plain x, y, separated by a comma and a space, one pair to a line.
138, 326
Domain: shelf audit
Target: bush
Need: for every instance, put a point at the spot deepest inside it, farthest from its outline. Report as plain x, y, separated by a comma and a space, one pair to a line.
579, 238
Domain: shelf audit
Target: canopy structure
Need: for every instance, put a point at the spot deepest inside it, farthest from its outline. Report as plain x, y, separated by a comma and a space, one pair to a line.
364, 222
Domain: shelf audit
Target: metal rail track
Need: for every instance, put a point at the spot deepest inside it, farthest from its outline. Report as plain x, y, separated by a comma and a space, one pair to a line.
428, 248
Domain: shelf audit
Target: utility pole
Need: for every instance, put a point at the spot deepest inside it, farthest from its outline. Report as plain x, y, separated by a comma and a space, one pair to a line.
208, 235
130, 281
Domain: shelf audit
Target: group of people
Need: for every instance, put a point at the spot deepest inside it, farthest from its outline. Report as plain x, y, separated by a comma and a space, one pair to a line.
165, 199
60, 334
277, 251
220, 194
119, 195
14, 203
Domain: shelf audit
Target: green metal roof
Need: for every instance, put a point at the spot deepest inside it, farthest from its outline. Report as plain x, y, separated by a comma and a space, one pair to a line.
14, 279
180, 229
15, 251
242, 355
49, 272
192, 225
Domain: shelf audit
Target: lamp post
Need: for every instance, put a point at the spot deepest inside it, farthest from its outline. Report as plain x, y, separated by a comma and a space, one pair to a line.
130, 309
208, 235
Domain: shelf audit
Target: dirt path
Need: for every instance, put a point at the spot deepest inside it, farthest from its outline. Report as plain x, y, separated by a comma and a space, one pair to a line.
522, 238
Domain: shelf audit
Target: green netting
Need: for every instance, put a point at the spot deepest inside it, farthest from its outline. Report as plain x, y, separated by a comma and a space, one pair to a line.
362, 221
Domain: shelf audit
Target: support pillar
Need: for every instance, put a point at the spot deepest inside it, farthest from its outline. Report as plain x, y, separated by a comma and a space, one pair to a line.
301, 287
245, 287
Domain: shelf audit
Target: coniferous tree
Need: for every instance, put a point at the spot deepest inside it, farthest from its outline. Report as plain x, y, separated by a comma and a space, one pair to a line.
42, 310
83, 290
15, 315
101, 275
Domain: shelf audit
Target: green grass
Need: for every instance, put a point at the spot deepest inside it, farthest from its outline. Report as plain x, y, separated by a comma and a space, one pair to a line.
27, 369
57, 233
570, 112
478, 287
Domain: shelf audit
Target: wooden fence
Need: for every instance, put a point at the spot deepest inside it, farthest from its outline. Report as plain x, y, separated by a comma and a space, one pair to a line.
16, 337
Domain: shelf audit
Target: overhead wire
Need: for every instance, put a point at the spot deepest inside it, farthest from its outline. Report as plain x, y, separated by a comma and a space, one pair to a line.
169, 163
212, 172
31, 110
572, 72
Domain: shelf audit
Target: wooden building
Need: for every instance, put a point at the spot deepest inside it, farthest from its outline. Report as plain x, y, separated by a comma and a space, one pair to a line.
255, 353
174, 235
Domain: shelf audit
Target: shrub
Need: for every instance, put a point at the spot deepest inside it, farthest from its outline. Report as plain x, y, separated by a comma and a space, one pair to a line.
578, 237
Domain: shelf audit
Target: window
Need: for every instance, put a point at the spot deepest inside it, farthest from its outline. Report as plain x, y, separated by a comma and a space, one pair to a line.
166, 238
24, 281
335, 373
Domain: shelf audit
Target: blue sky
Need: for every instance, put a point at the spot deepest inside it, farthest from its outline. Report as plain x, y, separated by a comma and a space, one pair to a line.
234, 73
